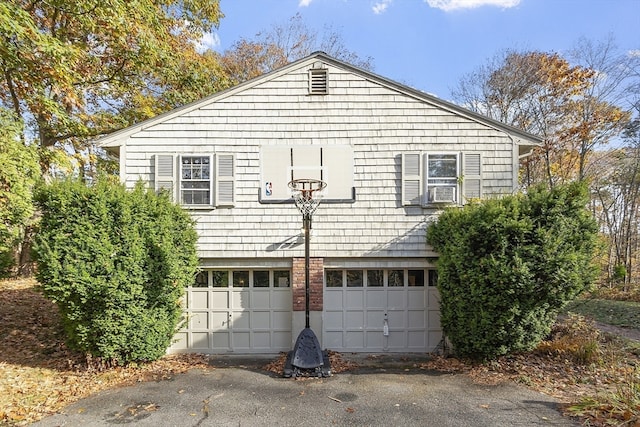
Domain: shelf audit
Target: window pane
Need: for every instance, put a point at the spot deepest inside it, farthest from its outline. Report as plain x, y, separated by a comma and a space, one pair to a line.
433, 277
333, 278
442, 166
220, 279
354, 278
195, 183
195, 197
396, 278
281, 278
260, 279
202, 280
240, 279
415, 277
375, 278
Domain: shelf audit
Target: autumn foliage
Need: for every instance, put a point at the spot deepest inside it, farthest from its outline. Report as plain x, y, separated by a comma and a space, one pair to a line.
116, 263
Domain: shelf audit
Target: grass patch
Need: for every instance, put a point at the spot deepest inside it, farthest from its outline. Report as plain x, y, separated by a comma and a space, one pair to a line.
625, 314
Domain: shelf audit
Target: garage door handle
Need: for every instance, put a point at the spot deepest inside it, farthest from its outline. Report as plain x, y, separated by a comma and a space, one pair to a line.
228, 321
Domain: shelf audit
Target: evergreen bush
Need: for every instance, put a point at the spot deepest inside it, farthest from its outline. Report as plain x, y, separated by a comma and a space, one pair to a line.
116, 263
507, 266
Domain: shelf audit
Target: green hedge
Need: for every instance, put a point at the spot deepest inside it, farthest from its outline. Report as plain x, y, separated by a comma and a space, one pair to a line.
116, 263
508, 265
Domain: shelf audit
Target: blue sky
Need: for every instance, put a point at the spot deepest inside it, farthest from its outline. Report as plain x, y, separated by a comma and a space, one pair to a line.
431, 44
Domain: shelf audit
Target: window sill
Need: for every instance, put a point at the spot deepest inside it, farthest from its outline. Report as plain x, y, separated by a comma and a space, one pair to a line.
198, 207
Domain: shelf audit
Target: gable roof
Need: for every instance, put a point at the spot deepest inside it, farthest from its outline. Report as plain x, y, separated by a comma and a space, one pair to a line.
519, 136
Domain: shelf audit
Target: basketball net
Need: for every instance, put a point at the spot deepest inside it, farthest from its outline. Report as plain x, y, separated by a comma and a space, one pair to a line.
307, 194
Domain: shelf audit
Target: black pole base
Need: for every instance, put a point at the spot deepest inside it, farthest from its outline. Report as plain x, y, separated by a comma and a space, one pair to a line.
307, 358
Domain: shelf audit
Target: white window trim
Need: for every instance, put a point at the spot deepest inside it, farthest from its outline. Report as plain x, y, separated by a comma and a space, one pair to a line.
181, 180
429, 189
466, 179
173, 183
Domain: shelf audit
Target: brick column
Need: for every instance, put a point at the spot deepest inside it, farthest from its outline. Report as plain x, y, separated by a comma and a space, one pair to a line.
316, 278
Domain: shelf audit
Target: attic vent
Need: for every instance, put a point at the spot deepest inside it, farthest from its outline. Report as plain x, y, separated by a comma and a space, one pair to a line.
318, 81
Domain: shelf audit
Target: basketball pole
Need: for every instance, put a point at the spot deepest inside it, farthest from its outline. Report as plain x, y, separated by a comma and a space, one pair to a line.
306, 221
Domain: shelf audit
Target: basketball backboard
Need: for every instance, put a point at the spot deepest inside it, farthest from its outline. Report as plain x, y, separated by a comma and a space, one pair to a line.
332, 164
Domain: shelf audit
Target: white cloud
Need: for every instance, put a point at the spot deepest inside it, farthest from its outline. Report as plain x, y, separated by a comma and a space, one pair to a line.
381, 6
304, 3
449, 5
634, 53
209, 41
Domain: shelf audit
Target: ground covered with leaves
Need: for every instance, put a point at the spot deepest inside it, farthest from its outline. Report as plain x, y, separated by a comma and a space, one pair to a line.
39, 375
595, 374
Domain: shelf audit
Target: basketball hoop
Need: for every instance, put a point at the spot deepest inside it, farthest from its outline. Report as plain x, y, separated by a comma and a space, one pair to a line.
307, 355
307, 194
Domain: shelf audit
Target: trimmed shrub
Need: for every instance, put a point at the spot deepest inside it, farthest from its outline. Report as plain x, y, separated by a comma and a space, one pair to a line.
116, 263
508, 265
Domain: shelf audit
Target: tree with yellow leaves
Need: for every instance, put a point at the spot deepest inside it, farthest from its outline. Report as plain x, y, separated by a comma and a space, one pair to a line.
76, 69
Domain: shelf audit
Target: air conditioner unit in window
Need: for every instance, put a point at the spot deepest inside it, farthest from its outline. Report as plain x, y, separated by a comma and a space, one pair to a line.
443, 194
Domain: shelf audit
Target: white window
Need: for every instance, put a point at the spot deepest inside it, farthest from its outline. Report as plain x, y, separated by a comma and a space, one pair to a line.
196, 180
440, 178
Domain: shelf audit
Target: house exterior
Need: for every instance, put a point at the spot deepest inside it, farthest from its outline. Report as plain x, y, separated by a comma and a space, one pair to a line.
392, 158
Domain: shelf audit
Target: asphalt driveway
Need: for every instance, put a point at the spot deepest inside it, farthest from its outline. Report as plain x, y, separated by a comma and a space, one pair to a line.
380, 393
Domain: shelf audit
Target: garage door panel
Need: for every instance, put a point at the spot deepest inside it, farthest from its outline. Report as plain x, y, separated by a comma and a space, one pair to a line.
260, 320
375, 319
200, 340
242, 320
241, 340
219, 299
180, 341
281, 320
333, 300
416, 299
375, 340
376, 299
281, 339
220, 340
354, 319
260, 299
241, 300
354, 339
416, 339
434, 339
199, 299
434, 298
416, 319
355, 299
261, 339
397, 298
281, 300
396, 319
333, 339
333, 320
397, 340
199, 320
219, 320
434, 319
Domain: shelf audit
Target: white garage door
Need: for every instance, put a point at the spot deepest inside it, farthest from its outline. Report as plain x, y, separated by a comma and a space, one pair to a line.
380, 310
241, 311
